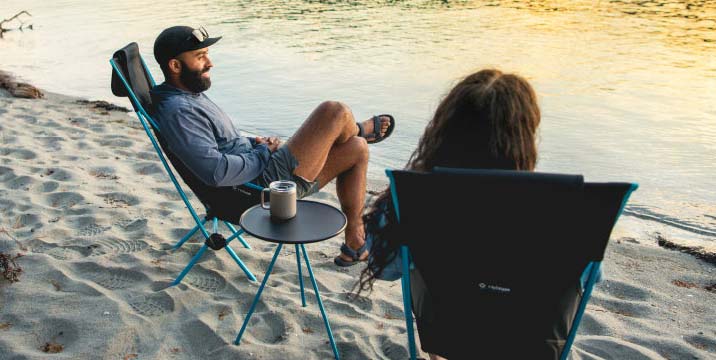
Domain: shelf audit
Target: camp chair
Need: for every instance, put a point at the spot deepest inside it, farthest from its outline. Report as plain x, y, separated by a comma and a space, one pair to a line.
131, 78
507, 259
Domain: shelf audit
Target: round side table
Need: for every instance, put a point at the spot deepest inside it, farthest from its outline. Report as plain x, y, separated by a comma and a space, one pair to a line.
314, 222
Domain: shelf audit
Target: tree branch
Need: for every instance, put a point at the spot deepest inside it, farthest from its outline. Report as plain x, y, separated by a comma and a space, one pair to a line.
13, 18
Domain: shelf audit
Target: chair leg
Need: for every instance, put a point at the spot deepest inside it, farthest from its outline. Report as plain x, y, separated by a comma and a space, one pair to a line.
320, 304
407, 303
188, 235
237, 233
191, 264
591, 280
241, 263
300, 276
258, 295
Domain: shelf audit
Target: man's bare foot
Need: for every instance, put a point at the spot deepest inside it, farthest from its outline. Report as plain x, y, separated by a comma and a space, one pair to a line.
369, 127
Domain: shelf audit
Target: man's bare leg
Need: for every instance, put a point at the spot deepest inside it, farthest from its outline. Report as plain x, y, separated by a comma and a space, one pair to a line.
326, 147
348, 164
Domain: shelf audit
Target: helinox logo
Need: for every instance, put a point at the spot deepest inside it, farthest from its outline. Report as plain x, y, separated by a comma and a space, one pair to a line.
247, 193
494, 288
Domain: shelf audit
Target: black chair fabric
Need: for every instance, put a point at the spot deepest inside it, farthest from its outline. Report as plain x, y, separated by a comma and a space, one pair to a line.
130, 64
226, 203
499, 254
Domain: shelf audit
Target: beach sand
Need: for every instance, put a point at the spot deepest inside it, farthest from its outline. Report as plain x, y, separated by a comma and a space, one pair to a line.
85, 200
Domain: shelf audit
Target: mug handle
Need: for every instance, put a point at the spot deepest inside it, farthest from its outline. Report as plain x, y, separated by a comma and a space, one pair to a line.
263, 204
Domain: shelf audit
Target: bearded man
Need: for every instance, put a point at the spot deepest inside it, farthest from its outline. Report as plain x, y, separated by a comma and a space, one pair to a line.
329, 144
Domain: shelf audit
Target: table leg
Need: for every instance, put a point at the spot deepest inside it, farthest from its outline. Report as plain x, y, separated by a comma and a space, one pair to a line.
241, 263
191, 264
237, 233
258, 295
300, 276
320, 303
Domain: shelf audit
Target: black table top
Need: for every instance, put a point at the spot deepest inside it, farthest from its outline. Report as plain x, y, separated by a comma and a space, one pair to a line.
315, 221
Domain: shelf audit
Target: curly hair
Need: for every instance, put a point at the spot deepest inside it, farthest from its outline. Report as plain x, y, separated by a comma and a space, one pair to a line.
488, 120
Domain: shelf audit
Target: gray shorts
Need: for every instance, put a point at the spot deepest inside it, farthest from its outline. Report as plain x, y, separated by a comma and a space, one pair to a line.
280, 167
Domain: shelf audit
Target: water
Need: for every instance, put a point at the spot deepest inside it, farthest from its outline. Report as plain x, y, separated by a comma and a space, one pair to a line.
627, 88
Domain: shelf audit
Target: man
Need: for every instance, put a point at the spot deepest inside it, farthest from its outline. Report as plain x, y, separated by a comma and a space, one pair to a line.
329, 145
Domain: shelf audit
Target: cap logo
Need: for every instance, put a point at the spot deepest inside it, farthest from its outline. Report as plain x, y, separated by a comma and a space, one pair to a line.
200, 34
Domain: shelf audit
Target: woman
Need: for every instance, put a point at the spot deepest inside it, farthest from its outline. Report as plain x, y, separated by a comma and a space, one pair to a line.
488, 120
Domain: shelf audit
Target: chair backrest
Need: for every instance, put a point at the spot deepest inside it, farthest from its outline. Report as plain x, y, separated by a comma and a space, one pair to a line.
131, 78
501, 251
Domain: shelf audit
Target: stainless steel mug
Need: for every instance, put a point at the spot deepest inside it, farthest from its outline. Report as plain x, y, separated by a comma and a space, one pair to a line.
282, 200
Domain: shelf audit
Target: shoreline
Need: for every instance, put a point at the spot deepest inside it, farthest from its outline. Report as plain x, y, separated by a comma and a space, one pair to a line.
84, 199
374, 185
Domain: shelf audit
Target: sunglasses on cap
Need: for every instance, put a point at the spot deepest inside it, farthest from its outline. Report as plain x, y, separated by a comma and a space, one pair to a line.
199, 34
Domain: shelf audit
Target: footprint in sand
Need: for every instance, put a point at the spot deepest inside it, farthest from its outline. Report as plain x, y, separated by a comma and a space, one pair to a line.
110, 278
144, 168
6, 206
20, 154
28, 119
268, 328
20, 182
592, 325
391, 348
624, 291
364, 303
84, 146
132, 225
145, 155
78, 122
26, 220
51, 143
63, 200
169, 194
7, 139
57, 280
63, 253
206, 280
113, 245
45, 187
702, 342
116, 143
98, 128
123, 345
639, 310
104, 172
91, 230
200, 339
52, 124
6, 174
119, 200
157, 304
58, 331
58, 174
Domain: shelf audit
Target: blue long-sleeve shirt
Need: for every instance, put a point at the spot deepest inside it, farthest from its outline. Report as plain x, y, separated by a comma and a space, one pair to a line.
205, 139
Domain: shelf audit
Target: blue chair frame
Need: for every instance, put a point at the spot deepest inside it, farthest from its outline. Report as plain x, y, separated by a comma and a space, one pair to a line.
590, 276
144, 118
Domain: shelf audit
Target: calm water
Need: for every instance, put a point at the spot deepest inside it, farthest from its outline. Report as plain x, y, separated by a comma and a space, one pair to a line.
627, 88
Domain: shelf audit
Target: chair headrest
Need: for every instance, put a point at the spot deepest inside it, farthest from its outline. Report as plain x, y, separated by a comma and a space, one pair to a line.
536, 212
130, 64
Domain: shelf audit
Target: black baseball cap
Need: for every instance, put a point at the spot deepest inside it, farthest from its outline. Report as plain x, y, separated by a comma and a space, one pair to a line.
178, 39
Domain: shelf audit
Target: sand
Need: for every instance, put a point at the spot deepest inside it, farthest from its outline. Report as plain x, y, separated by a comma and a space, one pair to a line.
85, 200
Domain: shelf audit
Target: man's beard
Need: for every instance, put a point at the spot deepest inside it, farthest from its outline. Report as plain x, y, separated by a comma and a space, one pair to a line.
193, 80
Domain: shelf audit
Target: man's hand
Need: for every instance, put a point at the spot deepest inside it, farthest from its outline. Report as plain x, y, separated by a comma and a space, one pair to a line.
272, 142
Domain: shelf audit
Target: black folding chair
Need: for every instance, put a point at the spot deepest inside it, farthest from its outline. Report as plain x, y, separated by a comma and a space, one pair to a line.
131, 78
502, 263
